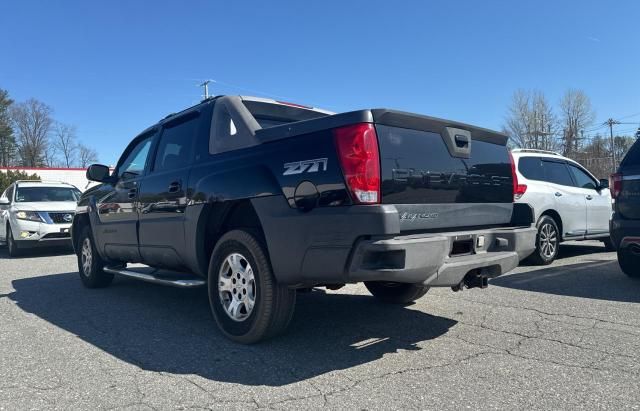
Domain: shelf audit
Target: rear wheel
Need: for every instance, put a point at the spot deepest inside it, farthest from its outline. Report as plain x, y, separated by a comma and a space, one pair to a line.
247, 303
629, 262
12, 247
547, 241
396, 293
90, 264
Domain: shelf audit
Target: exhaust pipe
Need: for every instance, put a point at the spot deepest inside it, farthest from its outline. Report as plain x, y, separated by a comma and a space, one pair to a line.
473, 279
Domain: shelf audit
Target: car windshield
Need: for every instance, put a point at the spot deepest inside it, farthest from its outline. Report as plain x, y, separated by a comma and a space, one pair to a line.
41, 194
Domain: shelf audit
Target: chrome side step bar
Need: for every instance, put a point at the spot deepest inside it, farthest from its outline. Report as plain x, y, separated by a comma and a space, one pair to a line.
150, 278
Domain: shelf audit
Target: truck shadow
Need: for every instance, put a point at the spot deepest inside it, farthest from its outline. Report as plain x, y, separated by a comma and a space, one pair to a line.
171, 330
596, 279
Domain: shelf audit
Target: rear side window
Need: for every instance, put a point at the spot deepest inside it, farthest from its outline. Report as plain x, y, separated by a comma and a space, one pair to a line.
557, 173
176, 142
633, 156
531, 168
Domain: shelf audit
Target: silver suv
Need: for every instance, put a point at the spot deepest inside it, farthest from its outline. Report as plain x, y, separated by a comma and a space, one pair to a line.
568, 201
36, 213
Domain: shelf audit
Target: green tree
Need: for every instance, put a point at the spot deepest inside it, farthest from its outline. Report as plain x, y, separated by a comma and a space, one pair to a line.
7, 139
9, 176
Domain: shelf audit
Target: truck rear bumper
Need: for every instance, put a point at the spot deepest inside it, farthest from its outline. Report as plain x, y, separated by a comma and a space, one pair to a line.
621, 229
337, 245
432, 259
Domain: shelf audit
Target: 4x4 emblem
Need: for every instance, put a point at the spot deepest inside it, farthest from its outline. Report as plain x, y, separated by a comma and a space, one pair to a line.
309, 166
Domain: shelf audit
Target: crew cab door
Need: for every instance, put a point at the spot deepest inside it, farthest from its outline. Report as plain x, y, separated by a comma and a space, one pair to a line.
598, 201
571, 202
163, 194
117, 233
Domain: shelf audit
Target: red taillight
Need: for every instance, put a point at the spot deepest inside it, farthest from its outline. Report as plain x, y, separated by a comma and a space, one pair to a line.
357, 147
615, 184
518, 189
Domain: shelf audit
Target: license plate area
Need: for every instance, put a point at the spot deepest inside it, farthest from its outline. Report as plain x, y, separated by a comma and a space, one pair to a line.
461, 246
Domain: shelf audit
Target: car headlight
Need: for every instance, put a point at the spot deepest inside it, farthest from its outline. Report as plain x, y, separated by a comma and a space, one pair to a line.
28, 215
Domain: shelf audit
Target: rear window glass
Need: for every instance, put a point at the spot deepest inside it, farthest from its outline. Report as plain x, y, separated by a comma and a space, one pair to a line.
633, 156
531, 168
557, 173
271, 115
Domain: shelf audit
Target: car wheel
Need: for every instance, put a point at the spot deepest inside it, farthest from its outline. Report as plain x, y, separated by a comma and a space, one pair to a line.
247, 303
629, 262
547, 241
90, 264
396, 293
12, 247
609, 245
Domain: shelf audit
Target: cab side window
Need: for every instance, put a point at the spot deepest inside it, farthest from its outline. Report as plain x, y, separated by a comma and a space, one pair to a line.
557, 173
135, 162
176, 142
583, 180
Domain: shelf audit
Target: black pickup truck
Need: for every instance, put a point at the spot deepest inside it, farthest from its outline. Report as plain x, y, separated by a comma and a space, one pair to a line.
257, 198
625, 223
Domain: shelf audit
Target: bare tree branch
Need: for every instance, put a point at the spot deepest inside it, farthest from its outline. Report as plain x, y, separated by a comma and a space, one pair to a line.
65, 142
576, 115
86, 155
32, 122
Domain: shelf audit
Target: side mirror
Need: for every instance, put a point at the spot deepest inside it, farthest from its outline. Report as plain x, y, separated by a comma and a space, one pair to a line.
99, 173
4, 201
604, 183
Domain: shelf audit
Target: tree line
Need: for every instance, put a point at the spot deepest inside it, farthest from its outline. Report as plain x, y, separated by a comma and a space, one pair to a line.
31, 137
569, 128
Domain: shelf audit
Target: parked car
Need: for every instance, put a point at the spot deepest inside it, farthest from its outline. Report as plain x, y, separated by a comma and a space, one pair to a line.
569, 202
625, 225
37, 214
258, 198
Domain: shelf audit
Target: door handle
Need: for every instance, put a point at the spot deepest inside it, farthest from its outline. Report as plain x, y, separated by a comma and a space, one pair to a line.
558, 194
132, 193
589, 197
175, 186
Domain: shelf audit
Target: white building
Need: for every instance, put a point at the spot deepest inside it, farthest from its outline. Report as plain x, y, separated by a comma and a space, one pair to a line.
74, 176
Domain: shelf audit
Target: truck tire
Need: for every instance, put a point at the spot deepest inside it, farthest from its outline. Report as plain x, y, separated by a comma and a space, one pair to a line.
12, 247
609, 245
629, 262
547, 241
247, 303
90, 264
396, 293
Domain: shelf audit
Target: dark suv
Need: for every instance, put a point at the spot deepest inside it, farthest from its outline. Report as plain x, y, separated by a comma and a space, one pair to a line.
625, 225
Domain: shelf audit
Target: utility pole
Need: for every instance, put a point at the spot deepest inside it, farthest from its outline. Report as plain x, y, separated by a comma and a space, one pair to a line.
205, 84
611, 122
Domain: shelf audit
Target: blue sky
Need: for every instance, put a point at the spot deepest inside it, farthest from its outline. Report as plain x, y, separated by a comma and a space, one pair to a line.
114, 67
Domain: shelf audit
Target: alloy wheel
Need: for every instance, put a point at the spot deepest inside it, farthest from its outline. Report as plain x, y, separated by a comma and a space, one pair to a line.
237, 287
86, 257
548, 240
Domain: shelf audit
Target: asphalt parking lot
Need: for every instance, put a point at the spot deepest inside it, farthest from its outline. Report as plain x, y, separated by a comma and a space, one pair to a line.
562, 336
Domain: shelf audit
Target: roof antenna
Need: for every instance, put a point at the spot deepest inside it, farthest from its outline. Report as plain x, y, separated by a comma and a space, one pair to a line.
205, 84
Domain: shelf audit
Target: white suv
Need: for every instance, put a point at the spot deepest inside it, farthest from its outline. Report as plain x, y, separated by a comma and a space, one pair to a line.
568, 201
34, 213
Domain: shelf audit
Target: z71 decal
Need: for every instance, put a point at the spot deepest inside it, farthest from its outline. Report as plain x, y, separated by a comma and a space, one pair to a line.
308, 166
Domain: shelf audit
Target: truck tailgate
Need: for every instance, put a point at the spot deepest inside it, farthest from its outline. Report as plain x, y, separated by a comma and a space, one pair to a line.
435, 183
